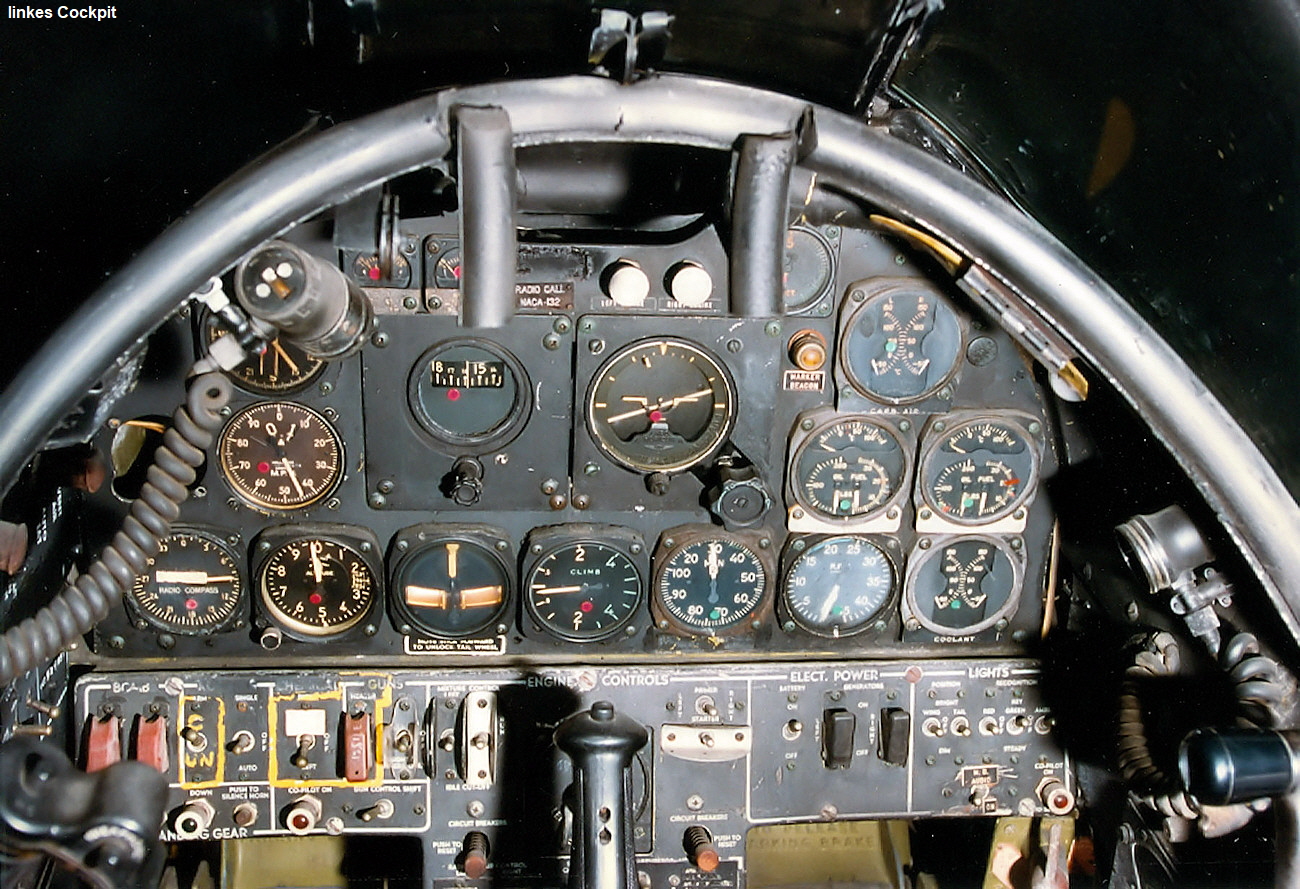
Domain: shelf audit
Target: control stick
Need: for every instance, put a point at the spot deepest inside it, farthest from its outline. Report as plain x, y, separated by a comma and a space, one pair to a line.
602, 744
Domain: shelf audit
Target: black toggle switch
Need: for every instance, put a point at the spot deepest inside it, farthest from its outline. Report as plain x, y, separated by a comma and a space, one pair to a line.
838, 727
895, 728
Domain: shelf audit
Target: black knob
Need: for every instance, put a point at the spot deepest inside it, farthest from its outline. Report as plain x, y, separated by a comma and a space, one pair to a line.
1238, 765
464, 484
602, 745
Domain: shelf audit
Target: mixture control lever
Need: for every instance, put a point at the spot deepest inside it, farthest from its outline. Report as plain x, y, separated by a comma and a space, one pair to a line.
602, 745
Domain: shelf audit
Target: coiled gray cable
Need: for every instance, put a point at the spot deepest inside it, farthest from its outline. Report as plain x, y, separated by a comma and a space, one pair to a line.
86, 601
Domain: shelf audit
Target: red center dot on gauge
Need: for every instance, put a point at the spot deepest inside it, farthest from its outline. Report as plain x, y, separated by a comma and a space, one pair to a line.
453, 394
191, 604
656, 416
315, 598
586, 606
264, 467
374, 273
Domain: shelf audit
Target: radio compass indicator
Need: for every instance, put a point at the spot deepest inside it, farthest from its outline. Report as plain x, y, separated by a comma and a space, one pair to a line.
192, 587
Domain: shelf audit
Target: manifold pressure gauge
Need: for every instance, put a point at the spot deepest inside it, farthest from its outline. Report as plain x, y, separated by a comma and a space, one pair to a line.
661, 405
901, 344
708, 582
453, 582
847, 471
279, 455
977, 472
837, 586
964, 585
192, 587
583, 589
316, 586
282, 368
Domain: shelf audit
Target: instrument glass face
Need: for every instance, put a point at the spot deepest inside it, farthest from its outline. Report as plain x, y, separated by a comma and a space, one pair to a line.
281, 369
808, 267
452, 587
316, 587
849, 469
709, 585
468, 392
979, 472
280, 455
901, 345
838, 586
583, 591
192, 587
963, 586
661, 405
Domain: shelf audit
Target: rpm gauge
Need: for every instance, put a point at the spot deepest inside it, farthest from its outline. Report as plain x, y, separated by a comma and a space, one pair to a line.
709, 583
280, 369
849, 469
661, 405
583, 590
315, 587
963, 585
979, 471
837, 586
452, 585
192, 587
280, 455
900, 345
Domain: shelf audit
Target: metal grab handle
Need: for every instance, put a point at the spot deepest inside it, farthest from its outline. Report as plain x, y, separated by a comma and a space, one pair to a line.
602, 745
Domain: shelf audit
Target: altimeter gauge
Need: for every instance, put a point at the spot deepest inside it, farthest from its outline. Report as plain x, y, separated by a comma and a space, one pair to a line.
316, 587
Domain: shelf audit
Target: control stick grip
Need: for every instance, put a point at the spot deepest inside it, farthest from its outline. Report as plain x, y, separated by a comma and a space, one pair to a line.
602, 745
1223, 766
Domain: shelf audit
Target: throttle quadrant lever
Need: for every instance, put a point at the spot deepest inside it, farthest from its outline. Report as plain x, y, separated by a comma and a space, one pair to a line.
602, 745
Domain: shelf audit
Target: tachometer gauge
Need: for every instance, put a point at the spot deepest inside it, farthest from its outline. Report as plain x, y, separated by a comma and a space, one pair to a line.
661, 405
469, 392
708, 582
900, 345
192, 587
583, 590
315, 587
808, 269
280, 456
281, 369
978, 472
962, 585
848, 470
837, 586
452, 584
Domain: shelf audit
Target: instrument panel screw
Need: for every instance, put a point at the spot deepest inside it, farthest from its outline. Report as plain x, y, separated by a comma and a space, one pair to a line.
1034, 428
924, 542
365, 546
386, 486
431, 247
1001, 625
475, 809
502, 546
332, 503
551, 342
772, 328
891, 695
734, 346
892, 512
435, 303
418, 810
380, 339
836, 695
404, 629
370, 629
200, 492
796, 513
857, 296
756, 624
502, 629
550, 486
930, 760
581, 501
945, 393
913, 625
116, 642
900, 259
695, 802
591, 469
806, 425
378, 500
904, 425
141, 625
403, 704
596, 346
409, 303
830, 813
630, 630
789, 766
669, 543
535, 548
403, 546
635, 549
1019, 636
792, 698
798, 546
166, 641
585, 325
879, 627
788, 626
561, 325
670, 706
663, 624
764, 542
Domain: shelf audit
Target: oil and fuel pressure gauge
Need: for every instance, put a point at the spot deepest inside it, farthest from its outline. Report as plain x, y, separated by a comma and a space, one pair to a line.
279, 455
661, 405
192, 587
317, 585
584, 586
962, 585
708, 582
838, 585
900, 344
977, 472
847, 471
452, 582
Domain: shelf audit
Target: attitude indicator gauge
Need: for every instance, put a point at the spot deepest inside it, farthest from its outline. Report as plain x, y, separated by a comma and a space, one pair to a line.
848, 470
709, 583
279, 455
583, 590
661, 405
837, 586
900, 345
316, 587
193, 586
963, 585
452, 584
979, 471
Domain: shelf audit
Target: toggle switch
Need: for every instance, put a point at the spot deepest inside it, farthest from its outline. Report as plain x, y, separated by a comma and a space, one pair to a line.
838, 728
357, 746
103, 742
151, 742
895, 729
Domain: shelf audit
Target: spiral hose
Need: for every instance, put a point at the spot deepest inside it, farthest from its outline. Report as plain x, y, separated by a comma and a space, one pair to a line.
1257, 687
80, 605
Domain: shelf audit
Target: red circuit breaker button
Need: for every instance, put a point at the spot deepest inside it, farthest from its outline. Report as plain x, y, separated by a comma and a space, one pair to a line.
103, 743
357, 751
151, 742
